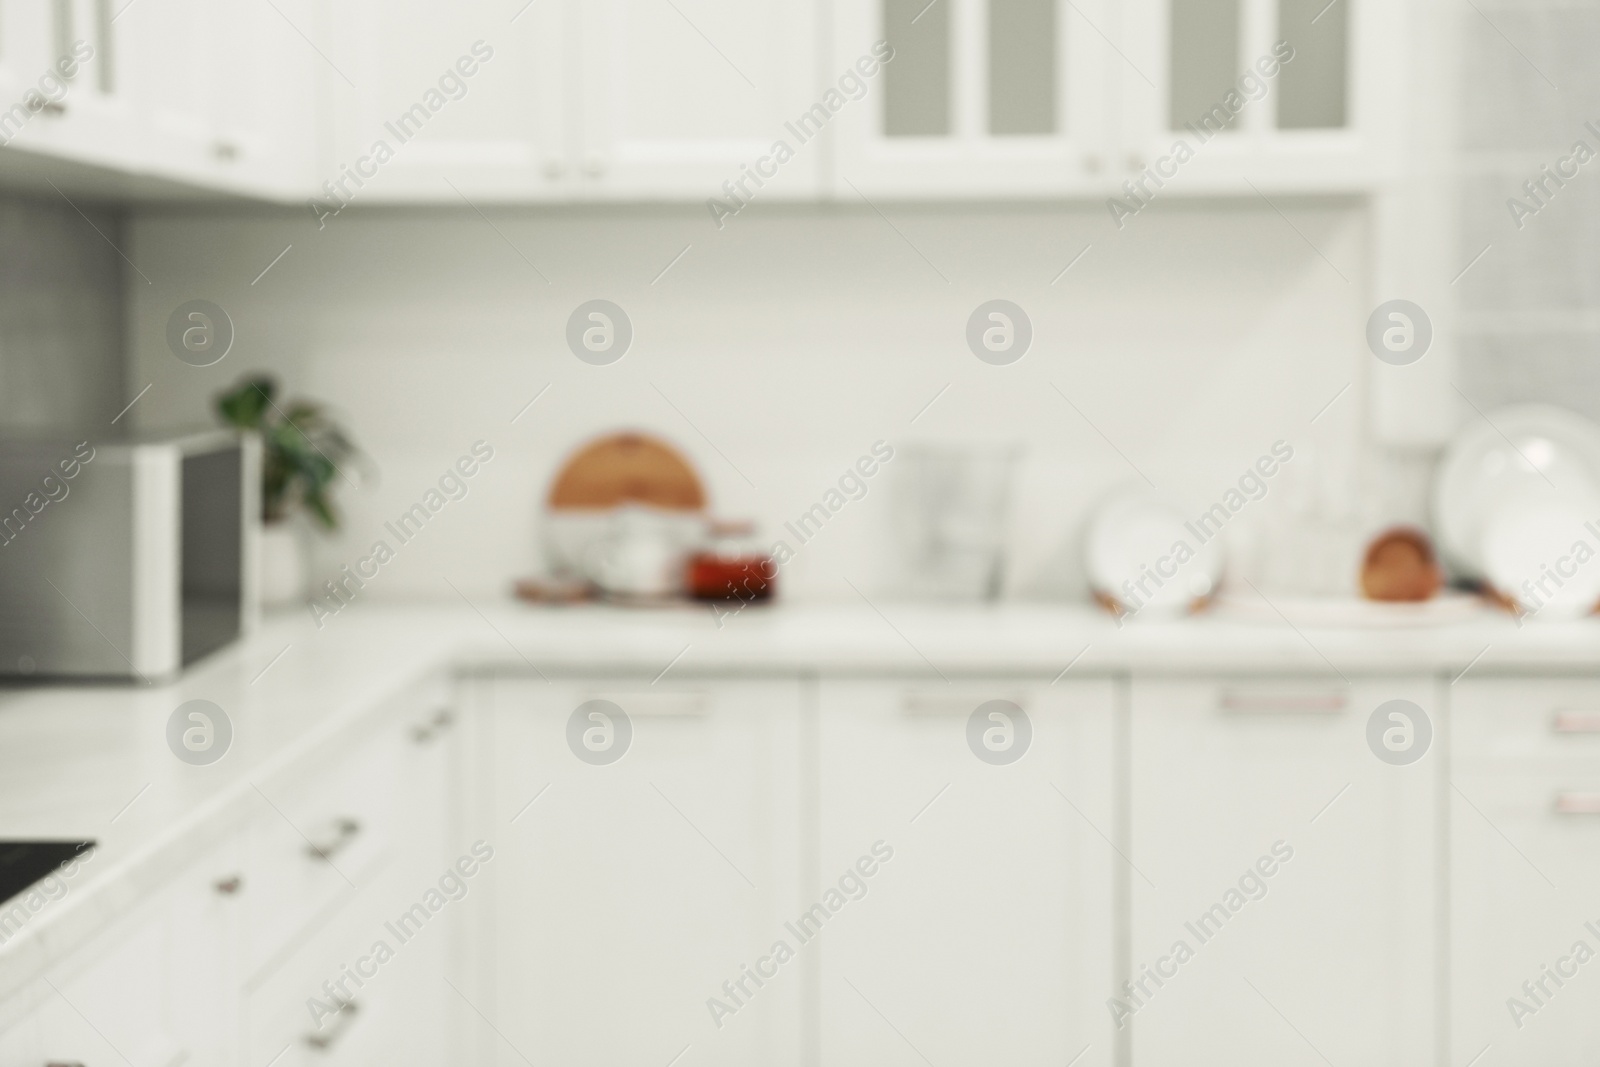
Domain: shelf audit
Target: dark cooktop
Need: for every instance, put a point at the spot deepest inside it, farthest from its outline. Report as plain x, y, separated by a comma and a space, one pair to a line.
22, 863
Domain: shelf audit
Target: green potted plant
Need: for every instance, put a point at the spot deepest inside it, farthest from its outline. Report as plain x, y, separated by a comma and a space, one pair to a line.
302, 448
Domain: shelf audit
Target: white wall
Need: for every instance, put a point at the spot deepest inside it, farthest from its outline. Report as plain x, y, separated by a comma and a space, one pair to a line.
793, 339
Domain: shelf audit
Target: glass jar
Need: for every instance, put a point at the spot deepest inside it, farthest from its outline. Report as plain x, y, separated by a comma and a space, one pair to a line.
731, 565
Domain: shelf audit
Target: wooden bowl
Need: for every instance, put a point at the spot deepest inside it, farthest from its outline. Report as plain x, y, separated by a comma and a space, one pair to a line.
1400, 566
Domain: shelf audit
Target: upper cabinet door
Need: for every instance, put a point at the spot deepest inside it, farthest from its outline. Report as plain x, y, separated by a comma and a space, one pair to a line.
980, 97
435, 102
64, 85
264, 95
1218, 93
678, 98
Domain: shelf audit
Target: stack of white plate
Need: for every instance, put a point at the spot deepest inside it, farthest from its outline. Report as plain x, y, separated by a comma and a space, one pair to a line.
1517, 504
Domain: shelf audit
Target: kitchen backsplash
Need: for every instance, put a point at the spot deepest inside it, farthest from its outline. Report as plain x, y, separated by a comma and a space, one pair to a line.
61, 327
777, 349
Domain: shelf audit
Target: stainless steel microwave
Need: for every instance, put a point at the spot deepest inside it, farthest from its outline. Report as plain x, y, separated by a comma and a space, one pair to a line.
126, 558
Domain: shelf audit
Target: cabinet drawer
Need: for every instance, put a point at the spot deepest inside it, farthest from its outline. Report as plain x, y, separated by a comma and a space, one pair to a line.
319, 839
277, 1015
1546, 723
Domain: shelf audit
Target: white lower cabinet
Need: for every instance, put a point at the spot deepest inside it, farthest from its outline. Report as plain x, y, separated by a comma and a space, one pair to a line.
647, 852
1525, 855
1284, 898
365, 904
220, 964
793, 870
154, 988
985, 931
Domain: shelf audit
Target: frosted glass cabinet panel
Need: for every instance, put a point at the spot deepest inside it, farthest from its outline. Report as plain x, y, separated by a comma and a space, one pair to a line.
1207, 42
978, 97
1312, 92
1204, 59
917, 85
1021, 94
1256, 90
1022, 67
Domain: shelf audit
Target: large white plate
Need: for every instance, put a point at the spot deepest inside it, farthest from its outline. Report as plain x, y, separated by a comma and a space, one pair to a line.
1519, 456
1131, 536
1545, 555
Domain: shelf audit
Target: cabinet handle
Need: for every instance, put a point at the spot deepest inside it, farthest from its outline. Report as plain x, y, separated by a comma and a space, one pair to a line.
928, 704
1244, 701
1569, 802
324, 1039
344, 831
229, 886
225, 151
640, 705
1575, 722
594, 164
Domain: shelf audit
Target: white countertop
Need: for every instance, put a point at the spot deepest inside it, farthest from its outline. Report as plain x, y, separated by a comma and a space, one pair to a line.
82, 761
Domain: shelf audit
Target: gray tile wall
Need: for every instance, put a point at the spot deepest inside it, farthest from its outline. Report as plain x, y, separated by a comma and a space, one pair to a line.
61, 316
1530, 309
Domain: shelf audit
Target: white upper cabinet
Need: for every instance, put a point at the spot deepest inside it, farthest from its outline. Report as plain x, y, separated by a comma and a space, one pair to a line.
980, 97
627, 99
434, 102
262, 104
162, 58
716, 101
675, 99
1037, 97
216, 94
59, 78
1220, 93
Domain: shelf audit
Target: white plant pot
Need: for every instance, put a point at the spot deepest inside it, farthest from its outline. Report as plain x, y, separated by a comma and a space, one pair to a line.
283, 566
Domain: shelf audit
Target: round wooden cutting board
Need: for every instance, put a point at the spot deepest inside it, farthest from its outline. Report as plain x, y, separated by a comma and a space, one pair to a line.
627, 468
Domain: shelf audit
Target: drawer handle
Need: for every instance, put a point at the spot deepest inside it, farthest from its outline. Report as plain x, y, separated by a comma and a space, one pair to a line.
1567, 721
1247, 702
324, 1039
229, 886
344, 831
425, 732
1569, 802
